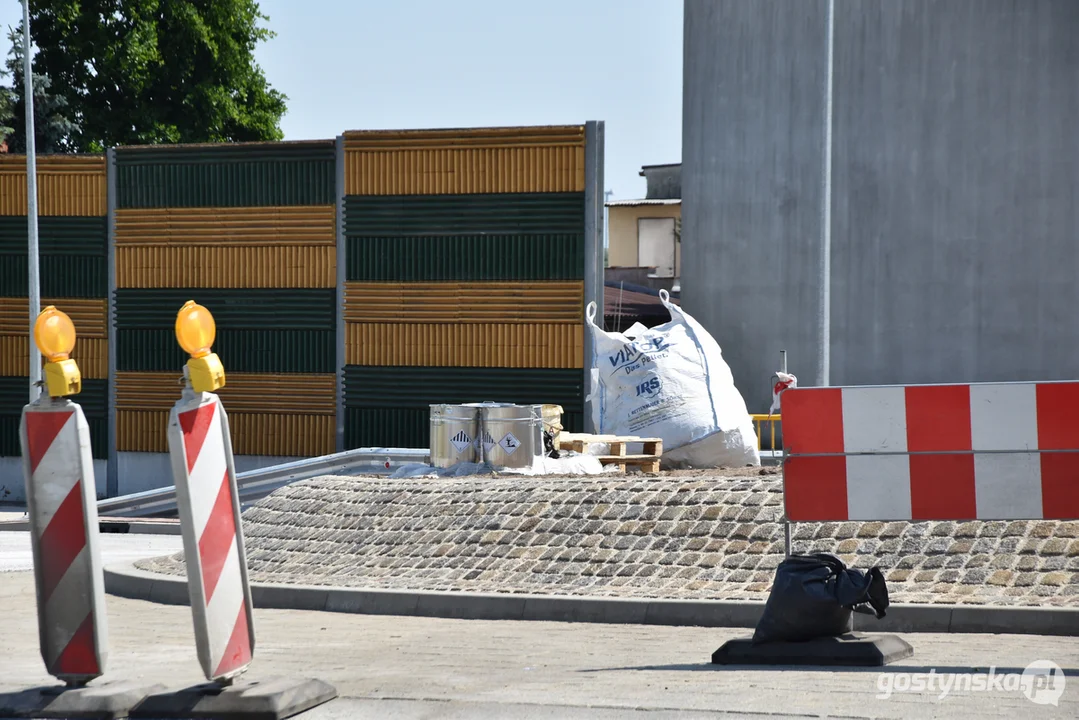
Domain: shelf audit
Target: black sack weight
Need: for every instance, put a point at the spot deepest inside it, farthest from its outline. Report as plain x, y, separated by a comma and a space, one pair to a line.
813, 596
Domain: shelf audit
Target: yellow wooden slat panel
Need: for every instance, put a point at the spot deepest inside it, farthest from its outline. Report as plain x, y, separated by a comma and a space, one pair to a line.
297, 435
465, 302
226, 267
465, 161
243, 392
142, 431
252, 434
512, 136
465, 345
90, 315
71, 185
314, 225
465, 171
91, 354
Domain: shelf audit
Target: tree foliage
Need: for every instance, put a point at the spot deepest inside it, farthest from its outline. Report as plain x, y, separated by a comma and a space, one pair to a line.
7, 106
157, 71
53, 128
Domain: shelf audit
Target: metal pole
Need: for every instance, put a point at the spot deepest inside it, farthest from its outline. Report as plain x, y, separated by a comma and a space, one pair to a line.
826, 219
593, 249
786, 522
31, 203
112, 470
342, 276
606, 219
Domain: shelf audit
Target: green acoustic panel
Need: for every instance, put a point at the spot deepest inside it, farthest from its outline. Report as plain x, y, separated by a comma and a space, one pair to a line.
72, 256
420, 387
407, 428
68, 276
465, 258
263, 330
226, 175
432, 215
9, 440
270, 308
57, 235
94, 400
9, 437
14, 394
240, 350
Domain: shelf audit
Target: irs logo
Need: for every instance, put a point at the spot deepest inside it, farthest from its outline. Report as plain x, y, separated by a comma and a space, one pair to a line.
649, 388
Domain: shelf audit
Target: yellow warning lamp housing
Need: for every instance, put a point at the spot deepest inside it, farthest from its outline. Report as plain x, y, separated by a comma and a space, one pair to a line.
54, 335
195, 331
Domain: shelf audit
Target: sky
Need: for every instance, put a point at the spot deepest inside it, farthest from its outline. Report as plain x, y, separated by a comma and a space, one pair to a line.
375, 64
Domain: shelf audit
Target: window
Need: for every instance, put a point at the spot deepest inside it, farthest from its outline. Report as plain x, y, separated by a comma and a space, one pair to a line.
656, 240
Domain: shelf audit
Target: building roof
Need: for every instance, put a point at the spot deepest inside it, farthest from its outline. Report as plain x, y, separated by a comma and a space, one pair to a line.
662, 165
626, 302
644, 201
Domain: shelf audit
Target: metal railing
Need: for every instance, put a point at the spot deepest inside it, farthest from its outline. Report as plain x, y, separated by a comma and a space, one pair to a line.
256, 484
758, 422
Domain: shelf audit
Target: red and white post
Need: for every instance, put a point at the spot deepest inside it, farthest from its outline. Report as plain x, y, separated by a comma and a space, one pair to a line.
60, 492
201, 452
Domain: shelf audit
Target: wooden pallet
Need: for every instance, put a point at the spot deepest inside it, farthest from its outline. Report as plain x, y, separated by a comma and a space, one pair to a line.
647, 461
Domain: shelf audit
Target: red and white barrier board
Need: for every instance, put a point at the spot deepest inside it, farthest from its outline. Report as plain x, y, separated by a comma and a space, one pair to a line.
201, 453
1002, 451
61, 497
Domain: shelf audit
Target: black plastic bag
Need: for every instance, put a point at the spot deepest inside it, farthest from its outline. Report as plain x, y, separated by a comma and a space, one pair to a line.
548, 445
813, 596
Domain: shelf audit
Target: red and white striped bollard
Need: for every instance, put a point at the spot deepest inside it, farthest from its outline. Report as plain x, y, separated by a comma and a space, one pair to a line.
202, 467
61, 497
200, 449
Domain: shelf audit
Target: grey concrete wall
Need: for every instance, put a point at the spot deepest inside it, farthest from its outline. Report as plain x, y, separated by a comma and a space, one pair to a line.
141, 471
956, 181
752, 132
13, 485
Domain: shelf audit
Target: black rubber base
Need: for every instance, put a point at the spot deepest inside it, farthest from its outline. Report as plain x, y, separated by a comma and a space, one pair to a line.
105, 700
268, 699
852, 649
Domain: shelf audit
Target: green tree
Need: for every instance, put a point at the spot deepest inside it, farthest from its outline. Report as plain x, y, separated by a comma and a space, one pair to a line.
157, 71
53, 128
7, 107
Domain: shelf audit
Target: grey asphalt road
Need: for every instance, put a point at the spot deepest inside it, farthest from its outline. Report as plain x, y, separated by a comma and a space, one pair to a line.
15, 555
410, 667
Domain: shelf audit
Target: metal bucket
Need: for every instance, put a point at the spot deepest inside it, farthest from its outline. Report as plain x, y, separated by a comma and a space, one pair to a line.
454, 435
511, 436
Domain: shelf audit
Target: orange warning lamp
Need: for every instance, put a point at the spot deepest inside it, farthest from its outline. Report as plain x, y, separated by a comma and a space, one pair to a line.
54, 335
195, 331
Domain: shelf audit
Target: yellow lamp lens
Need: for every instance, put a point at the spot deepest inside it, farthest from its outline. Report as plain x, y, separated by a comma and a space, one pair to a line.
54, 334
195, 329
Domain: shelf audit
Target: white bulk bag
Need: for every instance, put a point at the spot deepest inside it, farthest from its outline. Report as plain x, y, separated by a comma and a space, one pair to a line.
671, 382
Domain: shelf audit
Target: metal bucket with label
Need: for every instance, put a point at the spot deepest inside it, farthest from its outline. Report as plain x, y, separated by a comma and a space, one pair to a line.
454, 434
511, 436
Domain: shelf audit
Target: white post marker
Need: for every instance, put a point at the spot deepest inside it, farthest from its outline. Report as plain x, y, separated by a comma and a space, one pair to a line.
60, 491
200, 450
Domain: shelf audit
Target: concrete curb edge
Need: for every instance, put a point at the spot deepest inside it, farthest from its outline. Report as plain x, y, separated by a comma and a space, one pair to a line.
109, 525
125, 580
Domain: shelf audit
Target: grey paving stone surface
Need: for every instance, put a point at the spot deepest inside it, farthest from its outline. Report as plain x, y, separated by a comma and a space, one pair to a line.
641, 536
